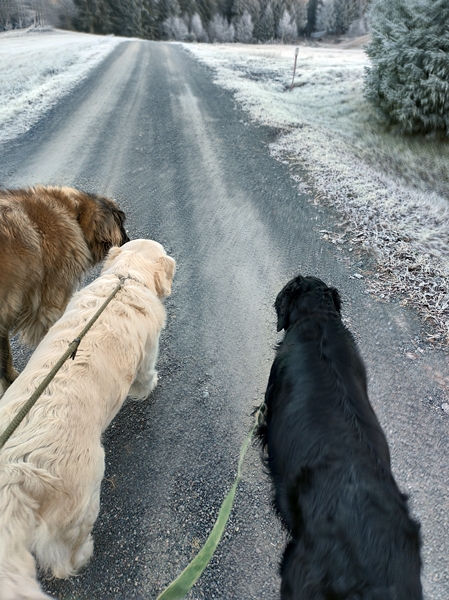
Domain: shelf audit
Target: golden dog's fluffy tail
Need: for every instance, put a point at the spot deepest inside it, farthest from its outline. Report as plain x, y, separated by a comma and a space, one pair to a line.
20, 486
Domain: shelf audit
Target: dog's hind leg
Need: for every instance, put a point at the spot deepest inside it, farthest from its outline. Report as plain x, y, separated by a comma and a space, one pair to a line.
17, 525
64, 542
7, 371
83, 548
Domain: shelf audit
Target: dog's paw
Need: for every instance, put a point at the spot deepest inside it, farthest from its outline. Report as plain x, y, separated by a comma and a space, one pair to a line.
83, 555
153, 382
142, 389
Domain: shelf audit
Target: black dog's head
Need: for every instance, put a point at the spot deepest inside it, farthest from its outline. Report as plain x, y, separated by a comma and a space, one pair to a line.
302, 295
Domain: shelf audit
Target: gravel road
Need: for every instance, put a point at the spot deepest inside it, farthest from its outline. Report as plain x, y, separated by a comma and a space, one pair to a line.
149, 128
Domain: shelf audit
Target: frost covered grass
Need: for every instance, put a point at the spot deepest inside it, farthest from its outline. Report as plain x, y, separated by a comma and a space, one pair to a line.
38, 67
392, 191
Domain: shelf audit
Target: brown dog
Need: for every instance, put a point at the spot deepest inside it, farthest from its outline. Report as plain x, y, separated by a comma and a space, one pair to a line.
49, 238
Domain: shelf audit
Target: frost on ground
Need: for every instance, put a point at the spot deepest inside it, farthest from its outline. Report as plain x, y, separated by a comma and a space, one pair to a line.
392, 192
38, 67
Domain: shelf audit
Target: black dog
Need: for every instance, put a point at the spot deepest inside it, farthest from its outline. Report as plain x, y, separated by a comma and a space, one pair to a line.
351, 537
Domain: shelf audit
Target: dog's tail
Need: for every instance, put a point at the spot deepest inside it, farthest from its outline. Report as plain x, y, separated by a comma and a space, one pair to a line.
20, 488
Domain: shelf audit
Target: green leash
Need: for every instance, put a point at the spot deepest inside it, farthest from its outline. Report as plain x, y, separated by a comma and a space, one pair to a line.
70, 352
186, 580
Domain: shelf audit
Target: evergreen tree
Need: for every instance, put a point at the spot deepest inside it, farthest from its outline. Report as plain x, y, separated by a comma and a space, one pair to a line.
252, 7
265, 27
240, 6
312, 9
220, 30
225, 8
125, 17
206, 9
175, 29
85, 15
65, 13
149, 19
246, 20
409, 50
244, 28
166, 9
197, 29
336, 16
298, 9
287, 27
188, 7
9, 14
279, 7
103, 22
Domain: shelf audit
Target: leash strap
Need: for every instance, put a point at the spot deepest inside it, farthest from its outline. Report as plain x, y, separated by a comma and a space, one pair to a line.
180, 587
70, 352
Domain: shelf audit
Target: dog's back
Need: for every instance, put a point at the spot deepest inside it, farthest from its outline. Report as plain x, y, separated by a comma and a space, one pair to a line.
351, 534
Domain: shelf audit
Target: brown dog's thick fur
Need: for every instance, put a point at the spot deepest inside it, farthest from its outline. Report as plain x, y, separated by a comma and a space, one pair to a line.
49, 237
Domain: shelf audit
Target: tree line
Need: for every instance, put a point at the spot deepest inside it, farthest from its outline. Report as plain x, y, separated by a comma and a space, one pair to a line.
246, 21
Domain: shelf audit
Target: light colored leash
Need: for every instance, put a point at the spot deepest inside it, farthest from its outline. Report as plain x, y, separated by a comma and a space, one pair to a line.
69, 353
181, 586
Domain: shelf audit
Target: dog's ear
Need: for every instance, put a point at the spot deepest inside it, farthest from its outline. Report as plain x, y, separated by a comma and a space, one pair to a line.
163, 275
336, 299
282, 306
283, 302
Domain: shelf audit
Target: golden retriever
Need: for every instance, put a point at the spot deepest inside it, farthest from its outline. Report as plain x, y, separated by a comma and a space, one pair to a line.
50, 237
52, 466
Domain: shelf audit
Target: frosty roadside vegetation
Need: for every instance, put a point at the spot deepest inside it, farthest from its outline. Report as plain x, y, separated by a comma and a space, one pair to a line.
38, 67
391, 191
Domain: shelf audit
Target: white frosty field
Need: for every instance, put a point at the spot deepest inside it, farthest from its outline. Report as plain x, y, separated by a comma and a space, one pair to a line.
38, 68
392, 193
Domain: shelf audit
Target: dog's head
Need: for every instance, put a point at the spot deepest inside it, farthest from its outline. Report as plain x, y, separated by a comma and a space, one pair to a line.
100, 219
146, 260
303, 295
114, 222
